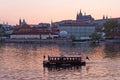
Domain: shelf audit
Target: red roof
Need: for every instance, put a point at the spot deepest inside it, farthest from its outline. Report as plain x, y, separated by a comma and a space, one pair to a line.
26, 29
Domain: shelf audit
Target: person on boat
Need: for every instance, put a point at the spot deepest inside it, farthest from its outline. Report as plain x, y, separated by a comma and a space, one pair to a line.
87, 58
44, 57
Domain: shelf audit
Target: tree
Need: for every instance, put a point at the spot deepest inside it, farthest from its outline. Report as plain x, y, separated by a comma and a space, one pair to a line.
2, 31
110, 28
73, 37
96, 36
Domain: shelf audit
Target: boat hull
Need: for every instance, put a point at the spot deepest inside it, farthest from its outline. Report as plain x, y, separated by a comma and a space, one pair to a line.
49, 64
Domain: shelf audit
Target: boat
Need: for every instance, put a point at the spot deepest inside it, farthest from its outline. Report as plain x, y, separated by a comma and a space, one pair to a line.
63, 61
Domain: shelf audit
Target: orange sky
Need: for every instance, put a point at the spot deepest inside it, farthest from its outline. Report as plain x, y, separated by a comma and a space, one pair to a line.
36, 11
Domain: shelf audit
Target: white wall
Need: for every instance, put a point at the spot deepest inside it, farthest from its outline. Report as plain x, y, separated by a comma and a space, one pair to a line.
25, 36
80, 32
43, 36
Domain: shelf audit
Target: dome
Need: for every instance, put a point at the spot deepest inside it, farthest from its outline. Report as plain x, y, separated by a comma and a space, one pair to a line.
63, 33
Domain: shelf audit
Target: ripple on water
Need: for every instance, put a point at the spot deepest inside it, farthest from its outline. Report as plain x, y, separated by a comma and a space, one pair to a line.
24, 62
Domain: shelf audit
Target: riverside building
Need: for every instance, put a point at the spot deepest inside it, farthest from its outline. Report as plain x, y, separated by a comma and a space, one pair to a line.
41, 31
79, 29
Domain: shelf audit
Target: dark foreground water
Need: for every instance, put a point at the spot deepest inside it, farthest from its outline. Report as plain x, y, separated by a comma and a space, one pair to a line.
24, 61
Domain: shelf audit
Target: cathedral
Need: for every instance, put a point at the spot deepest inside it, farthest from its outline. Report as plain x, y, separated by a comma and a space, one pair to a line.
85, 18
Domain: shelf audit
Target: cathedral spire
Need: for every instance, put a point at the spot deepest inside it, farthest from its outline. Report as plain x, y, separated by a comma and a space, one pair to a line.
106, 17
20, 22
24, 22
80, 14
77, 16
103, 17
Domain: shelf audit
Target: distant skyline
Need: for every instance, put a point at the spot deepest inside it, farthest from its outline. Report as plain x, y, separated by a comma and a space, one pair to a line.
37, 11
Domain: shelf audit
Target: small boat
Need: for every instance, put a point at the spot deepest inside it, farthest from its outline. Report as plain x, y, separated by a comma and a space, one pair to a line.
63, 61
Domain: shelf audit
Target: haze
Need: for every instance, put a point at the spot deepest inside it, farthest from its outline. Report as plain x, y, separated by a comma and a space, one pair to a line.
36, 11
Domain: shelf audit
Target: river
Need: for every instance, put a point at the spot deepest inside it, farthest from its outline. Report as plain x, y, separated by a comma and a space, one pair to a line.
20, 61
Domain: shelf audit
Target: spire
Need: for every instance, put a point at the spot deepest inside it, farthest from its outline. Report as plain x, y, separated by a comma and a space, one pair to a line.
77, 16
103, 17
51, 23
24, 22
80, 14
106, 17
80, 11
20, 22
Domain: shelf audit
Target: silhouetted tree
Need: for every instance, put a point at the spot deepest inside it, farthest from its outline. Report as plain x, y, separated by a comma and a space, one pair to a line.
96, 36
111, 28
2, 31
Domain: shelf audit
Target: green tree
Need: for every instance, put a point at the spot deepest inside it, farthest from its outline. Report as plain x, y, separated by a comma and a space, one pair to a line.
110, 28
2, 31
118, 30
73, 37
96, 36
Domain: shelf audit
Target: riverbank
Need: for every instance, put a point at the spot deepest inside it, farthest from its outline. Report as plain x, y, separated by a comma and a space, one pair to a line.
55, 41
38, 41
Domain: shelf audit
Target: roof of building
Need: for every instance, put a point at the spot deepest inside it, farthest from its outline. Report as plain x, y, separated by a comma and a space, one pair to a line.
26, 29
106, 19
77, 23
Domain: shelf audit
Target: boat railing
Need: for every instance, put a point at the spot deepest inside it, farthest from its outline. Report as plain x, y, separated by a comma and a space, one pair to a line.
66, 59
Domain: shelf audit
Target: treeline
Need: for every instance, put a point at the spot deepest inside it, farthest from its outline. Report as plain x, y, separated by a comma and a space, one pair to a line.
112, 29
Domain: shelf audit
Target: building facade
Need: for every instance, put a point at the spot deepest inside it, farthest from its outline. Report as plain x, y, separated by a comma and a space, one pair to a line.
27, 32
80, 32
80, 29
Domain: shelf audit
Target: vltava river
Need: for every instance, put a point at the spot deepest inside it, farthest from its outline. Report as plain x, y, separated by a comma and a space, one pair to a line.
24, 61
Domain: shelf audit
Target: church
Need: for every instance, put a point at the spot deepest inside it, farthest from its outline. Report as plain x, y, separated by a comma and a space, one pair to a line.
79, 29
84, 18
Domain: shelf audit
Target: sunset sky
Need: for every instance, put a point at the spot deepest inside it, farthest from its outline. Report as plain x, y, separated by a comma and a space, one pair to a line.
36, 11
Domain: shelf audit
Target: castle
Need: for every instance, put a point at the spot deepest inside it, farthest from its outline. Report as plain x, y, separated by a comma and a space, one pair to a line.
83, 18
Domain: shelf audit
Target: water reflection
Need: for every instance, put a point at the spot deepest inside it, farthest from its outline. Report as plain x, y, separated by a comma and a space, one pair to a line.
64, 68
112, 50
24, 61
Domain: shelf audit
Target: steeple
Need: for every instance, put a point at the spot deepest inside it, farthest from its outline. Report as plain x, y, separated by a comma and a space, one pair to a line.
103, 17
80, 14
51, 23
106, 17
20, 22
77, 17
24, 22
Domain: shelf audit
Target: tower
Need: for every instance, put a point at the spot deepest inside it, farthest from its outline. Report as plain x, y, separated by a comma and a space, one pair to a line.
80, 14
20, 22
24, 22
106, 17
103, 17
77, 17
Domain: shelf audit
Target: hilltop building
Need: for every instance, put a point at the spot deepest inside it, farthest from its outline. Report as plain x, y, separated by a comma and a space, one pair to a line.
84, 18
100, 22
79, 29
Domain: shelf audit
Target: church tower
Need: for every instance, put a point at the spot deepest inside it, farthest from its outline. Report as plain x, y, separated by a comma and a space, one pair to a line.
24, 22
80, 14
103, 17
77, 17
20, 22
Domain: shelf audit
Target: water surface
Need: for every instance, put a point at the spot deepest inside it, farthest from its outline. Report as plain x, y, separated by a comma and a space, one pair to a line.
24, 61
